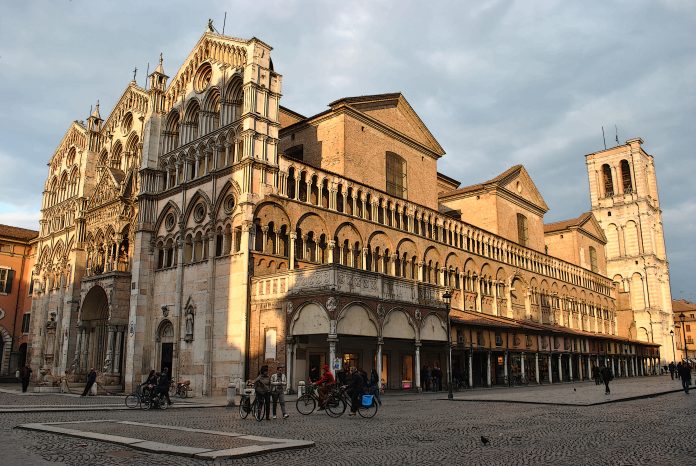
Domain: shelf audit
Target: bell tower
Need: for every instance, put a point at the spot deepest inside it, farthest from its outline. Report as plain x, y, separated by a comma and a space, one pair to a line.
625, 201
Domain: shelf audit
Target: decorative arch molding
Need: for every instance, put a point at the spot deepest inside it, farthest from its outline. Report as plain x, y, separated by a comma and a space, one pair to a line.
261, 207
356, 318
198, 195
398, 324
229, 186
163, 326
433, 328
311, 318
170, 205
95, 304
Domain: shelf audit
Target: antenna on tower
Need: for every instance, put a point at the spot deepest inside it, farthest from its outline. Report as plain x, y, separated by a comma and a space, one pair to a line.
617, 134
604, 138
147, 73
224, 20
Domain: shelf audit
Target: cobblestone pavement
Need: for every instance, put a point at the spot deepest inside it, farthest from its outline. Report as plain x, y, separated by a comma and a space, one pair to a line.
406, 430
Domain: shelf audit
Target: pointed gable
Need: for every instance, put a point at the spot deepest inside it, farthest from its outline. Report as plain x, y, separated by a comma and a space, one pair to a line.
394, 111
108, 188
586, 223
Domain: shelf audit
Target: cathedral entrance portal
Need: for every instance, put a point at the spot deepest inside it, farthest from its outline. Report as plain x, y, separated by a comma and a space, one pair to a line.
94, 317
165, 337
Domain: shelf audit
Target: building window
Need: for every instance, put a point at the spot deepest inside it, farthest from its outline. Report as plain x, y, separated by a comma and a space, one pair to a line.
6, 280
522, 230
25, 323
396, 175
688, 328
498, 339
626, 177
593, 259
608, 182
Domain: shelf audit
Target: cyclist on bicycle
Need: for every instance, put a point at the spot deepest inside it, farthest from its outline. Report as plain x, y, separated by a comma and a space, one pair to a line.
325, 384
355, 389
163, 385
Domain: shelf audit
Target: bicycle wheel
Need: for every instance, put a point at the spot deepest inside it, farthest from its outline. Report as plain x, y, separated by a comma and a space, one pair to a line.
368, 411
133, 400
163, 403
258, 410
182, 392
335, 406
305, 404
146, 403
244, 407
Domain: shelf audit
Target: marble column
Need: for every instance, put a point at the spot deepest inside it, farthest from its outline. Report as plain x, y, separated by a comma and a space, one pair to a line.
418, 365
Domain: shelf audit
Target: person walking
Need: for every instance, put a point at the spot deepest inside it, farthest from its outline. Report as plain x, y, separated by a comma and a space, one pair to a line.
607, 377
279, 383
355, 389
24, 377
262, 387
374, 386
91, 379
671, 368
685, 375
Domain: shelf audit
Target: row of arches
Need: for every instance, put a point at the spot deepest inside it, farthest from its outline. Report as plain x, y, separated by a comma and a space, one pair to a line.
305, 184
63, 187
122, 156
624, 181
108, 251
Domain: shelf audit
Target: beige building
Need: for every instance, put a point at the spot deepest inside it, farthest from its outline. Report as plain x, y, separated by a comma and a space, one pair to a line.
625, 201
203, 227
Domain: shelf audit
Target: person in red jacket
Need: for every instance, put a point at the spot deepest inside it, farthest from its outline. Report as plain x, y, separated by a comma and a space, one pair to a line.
325, 384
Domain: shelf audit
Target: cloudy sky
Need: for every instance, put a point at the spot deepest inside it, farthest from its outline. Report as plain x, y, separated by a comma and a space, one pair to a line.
497, 82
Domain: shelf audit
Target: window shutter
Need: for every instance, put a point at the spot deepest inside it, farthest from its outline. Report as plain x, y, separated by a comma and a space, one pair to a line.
8, 283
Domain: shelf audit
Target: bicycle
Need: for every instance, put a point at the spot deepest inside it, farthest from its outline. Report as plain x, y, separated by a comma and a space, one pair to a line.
307, 403
246, 405
338, 400
155, 400
134, 400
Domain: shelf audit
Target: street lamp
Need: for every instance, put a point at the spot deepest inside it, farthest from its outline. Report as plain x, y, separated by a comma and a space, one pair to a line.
448, 297
674, 352
682, 317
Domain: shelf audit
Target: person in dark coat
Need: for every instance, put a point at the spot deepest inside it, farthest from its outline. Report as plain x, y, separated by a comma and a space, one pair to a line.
355, 389
25, 376
91, 379
671, 368
607, 377
163, 385
314, 374
596, 375
685, 375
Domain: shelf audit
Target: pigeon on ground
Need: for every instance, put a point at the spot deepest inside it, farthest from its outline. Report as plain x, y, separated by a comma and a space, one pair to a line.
575, 390
484, 440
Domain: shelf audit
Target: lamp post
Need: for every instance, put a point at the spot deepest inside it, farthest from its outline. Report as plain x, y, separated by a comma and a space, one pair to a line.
448, 297
674, 351
682, 317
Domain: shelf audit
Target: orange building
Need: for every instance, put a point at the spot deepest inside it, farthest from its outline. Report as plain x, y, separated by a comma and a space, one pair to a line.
16, 268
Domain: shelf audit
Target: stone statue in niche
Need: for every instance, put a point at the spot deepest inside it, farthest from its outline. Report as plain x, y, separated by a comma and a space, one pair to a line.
189, 324
331, 304
289, 308
380, 311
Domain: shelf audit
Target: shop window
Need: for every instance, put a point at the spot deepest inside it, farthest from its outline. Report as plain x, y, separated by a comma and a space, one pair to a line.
406, 371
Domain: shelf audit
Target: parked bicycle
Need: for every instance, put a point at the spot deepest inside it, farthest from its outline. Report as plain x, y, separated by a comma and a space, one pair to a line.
338, 400
247, 405
182, 388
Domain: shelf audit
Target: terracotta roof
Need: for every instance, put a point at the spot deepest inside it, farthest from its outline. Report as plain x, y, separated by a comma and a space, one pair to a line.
366, 98
566, 224
682, 305
480, 186
23, 234
292, 112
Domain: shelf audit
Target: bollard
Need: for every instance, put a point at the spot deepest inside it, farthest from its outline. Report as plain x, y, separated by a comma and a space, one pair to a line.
300, 388
231, 394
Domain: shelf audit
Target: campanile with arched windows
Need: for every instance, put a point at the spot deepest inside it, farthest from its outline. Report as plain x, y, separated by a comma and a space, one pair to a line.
624, 197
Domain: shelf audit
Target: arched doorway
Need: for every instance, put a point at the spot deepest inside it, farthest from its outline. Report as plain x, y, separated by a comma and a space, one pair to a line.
94, 316
165, 338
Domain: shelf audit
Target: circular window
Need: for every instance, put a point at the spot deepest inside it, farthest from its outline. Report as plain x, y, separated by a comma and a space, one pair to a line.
169, 221
203, 77
519, 187
228, 203
127, 122
199, 212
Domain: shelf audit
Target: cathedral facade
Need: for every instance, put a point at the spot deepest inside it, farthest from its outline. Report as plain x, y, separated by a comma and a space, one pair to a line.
204, 227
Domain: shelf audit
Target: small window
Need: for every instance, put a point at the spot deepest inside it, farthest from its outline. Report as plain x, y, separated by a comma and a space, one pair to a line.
608, 181
522, 230
6, 280
498, 339
626, 177
593, 260
25, 323
396, 175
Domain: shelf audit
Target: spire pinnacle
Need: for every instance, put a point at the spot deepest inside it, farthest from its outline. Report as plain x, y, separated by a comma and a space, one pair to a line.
160, 68
95, 113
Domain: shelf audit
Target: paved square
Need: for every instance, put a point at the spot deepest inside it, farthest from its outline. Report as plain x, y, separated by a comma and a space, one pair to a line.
408, 429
